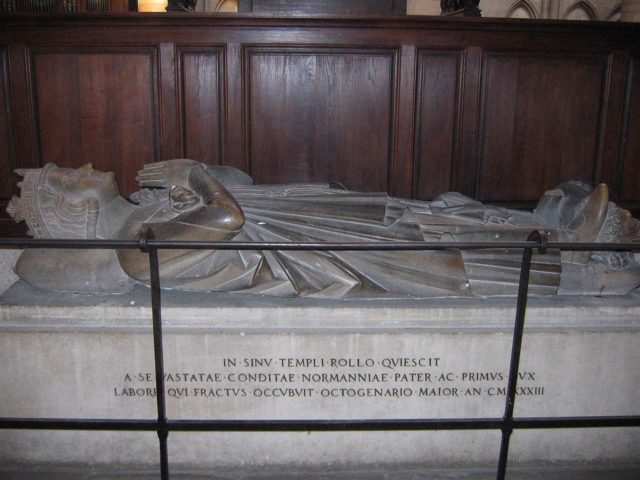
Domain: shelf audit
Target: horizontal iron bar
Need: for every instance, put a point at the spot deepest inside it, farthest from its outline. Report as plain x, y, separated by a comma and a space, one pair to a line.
333, 425
78, 424
399, 424
323, 246
66, 243
318, 425
576, 422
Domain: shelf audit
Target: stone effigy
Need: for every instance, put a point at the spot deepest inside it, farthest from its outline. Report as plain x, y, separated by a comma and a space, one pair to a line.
186, 200
241, 357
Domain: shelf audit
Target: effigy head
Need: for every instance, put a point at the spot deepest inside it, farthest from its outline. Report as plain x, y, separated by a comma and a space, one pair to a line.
583, 213
60, 202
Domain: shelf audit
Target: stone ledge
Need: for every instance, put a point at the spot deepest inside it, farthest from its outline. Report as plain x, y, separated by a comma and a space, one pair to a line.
24, 308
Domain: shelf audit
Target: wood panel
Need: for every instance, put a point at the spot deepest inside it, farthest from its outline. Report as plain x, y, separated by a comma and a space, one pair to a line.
466, 159
6, 140
541, 123
496, 109
631, 178
202, 104
305, 7
98, 107
609, 165
436, 122
321, 115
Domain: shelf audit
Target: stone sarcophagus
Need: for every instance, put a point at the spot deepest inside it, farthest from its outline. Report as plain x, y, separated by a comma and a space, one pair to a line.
277, 335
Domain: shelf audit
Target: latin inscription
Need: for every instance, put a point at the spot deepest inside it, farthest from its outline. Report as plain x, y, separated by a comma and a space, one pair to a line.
329, 378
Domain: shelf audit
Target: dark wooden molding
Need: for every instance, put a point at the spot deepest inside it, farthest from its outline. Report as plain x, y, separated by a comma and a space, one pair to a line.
437, 121
6, 137
311, 7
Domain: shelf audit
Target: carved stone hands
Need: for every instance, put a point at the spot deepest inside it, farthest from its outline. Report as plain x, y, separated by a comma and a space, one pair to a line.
167, 174
178, 175
195, 192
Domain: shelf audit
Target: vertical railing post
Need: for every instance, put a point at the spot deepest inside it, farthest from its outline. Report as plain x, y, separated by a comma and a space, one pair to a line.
156, 311
516, 348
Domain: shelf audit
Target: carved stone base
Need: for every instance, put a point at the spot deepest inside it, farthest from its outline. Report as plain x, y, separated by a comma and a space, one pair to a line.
238, 357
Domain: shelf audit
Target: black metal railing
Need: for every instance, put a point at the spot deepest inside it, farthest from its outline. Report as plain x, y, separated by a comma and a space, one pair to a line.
506, 424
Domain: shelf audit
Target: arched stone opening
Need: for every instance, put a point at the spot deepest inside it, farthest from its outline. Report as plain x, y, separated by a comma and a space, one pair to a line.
522, 9
226, 6
581, 10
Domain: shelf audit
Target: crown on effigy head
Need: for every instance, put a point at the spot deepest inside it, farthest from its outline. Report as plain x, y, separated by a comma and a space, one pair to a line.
47, 213
25, 207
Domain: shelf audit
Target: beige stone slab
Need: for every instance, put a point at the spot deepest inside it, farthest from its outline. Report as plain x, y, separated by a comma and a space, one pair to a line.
232, 357
8, 258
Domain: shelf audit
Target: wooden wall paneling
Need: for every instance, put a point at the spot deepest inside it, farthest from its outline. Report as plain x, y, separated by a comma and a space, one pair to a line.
13, 66
541, 123
630, 188
6, 132
305, 7
319, 114
465, 160
436, 121
22, 109
203, 105
609, 164
99, 106
235, 83
333, 99
167, 108
401, 171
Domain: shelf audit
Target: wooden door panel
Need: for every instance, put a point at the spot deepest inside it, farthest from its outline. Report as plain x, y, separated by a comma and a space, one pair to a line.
6, 140
202, 111
98, 107
541, 123
631, 170
436, 121
319, 116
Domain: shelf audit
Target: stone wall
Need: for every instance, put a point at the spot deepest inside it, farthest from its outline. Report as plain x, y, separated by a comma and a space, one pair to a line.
590, 10
600, 10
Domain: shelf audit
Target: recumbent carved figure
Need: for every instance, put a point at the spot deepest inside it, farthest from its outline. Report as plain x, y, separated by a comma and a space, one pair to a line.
186, 200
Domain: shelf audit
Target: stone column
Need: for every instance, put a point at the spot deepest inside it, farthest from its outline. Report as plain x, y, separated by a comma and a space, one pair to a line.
630, 11
551, 9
